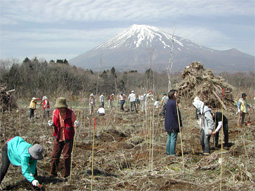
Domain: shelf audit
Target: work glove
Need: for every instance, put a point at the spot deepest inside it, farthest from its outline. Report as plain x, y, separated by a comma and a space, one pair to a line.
76, 123
35, 183
238, 111
50, 123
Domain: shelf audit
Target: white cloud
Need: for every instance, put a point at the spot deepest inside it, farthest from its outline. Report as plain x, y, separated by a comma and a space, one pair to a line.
60, 35
51, 11
199, 35
74, 24
49, 42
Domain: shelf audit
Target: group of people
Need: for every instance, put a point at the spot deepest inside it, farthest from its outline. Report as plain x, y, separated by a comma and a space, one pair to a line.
18, 152
92, 104
132, 98
135, 102
209, 122
45, 105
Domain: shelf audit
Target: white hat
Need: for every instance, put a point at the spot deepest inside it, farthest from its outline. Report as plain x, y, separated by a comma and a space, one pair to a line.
132, 91
91, 94
33, 98
44, 97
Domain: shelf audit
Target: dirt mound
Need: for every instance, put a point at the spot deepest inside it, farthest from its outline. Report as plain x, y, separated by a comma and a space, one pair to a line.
200, 82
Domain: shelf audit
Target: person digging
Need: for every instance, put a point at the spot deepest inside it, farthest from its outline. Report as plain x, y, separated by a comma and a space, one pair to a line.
20, 153
217, 117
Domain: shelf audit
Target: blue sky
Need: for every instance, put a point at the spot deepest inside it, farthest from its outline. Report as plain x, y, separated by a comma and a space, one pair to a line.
58, 29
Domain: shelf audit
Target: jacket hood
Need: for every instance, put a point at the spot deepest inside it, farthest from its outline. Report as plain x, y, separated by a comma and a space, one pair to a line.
200, 106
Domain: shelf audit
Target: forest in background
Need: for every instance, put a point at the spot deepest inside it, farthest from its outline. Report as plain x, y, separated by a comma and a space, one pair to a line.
35, 78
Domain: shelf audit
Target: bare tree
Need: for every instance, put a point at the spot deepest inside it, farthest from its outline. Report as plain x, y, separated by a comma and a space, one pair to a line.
169, 67
152, 53
98, 75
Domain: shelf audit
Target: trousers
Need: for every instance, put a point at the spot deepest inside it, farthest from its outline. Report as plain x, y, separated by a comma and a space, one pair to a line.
171, 143
205, 141
225, 131
58, 147
5, 163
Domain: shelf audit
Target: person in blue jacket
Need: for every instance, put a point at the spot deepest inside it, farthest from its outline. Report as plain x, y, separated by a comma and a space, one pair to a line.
173, 122
20, 153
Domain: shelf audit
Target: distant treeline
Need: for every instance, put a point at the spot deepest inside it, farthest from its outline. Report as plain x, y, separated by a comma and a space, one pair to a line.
37, 78
240, 79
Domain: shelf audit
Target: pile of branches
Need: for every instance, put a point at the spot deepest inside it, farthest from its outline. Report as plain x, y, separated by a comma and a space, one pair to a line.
200, 82
7, 101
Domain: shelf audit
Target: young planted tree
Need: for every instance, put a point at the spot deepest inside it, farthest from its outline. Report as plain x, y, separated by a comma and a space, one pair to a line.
169, 66
100, 65
151, 53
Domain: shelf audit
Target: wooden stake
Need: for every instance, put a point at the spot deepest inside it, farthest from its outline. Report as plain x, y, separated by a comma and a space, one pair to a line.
180, 135
221, 154
92, 162
74, 145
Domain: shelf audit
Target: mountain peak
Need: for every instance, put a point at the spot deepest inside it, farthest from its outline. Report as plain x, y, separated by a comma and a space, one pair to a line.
142, 28
137, 36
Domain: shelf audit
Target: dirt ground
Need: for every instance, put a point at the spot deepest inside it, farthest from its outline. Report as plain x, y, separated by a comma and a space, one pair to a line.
129, 153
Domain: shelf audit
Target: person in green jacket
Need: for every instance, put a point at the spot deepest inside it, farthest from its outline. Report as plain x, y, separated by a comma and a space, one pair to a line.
20, 153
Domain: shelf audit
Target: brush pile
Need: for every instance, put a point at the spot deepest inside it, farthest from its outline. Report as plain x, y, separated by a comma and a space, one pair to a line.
202, 83
7, 101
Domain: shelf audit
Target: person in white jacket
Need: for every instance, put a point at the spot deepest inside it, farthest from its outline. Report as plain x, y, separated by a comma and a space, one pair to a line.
101, 99
206, 124
132, 101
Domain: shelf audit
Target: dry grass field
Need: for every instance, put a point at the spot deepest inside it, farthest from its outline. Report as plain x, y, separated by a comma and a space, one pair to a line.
129, 153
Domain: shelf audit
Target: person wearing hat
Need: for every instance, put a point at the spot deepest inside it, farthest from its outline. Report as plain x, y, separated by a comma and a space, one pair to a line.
64, 123
32, 107
132, 101
101, 100
164, 101
46, 106
242, 109
110, 101
148, 100
92, 103
20, 153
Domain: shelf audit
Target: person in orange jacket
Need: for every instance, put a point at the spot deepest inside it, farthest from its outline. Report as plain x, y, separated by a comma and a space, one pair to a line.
64, 123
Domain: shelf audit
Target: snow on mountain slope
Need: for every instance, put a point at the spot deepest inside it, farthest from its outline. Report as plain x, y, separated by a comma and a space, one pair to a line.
138, 45
142, 36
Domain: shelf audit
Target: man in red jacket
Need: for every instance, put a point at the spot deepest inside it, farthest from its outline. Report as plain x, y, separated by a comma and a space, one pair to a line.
64, 122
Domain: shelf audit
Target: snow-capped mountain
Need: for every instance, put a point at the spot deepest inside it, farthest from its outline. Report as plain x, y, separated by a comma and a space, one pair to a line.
140, 47
140, 36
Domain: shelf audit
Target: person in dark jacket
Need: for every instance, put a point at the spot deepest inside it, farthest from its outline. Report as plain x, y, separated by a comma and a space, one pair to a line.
217, 117
172, 121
